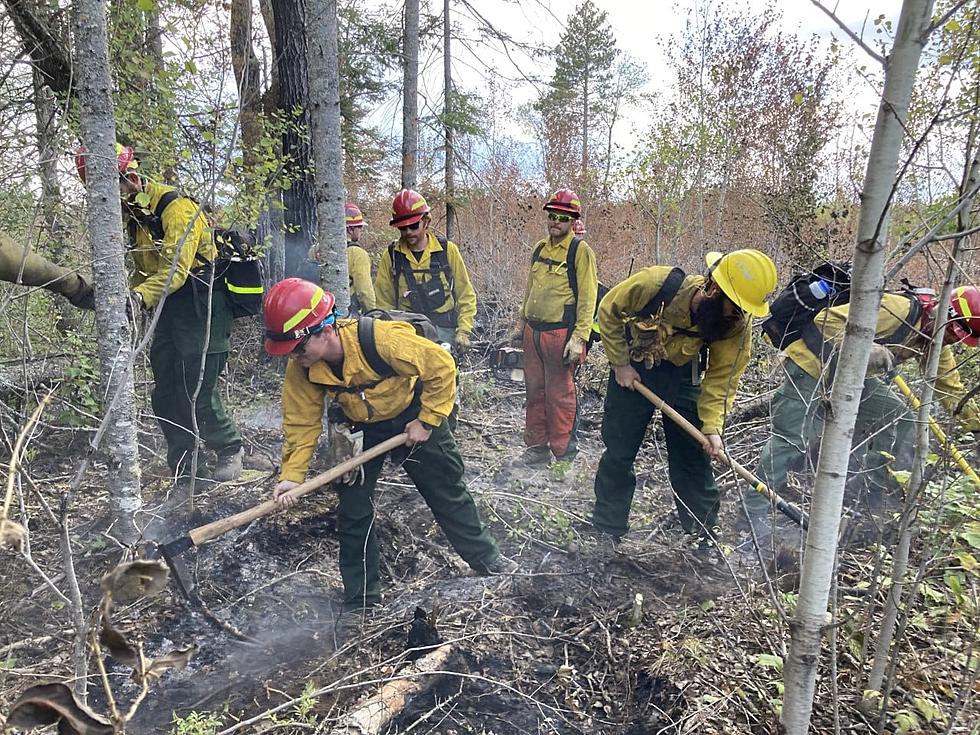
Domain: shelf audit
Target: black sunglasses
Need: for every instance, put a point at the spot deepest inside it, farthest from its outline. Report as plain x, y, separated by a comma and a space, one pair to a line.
413, 226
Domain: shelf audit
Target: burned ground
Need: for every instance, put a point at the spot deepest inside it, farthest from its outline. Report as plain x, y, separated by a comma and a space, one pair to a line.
557, 648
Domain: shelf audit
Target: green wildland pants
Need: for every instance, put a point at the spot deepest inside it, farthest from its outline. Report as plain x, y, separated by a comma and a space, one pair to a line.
436, 468
884, 423
175, 357
625, 417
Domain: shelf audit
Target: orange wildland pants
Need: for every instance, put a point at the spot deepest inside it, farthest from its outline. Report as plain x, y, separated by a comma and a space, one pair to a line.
552, 406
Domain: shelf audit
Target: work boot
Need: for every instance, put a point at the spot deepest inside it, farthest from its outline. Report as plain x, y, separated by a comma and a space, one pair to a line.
228, 467
501, 565
535, 457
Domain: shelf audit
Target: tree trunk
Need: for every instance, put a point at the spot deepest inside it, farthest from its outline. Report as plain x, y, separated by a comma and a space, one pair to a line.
447, 74
271, 230
328, 153
585, 137
835, 446
299, 201
39, 35
410, 96
246, 65
95, 113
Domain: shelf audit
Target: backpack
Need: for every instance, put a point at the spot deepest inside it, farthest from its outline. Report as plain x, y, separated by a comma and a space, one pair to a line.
365, 335
570, 314
827, 285
236, 268
426, 298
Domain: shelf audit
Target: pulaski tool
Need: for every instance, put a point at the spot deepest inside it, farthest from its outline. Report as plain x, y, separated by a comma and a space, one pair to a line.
172, 550
795, 514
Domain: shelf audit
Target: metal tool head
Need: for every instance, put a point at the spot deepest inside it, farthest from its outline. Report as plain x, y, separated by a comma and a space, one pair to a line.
508, 364
172, 553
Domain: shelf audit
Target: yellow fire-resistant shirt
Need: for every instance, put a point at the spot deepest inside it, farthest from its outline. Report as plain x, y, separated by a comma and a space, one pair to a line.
460, 294
359, 272
548, 291
153, 259
727, 357
412, 357
893, 311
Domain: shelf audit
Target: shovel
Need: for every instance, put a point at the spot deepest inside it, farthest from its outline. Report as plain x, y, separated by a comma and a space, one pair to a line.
795, 514
172, 550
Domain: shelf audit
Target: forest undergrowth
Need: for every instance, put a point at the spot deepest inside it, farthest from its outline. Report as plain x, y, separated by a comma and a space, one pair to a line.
651, 637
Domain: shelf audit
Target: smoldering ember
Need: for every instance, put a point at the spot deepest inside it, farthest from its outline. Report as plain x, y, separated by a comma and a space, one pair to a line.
501, 368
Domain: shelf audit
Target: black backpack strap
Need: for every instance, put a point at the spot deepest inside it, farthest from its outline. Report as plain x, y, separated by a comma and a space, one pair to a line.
165, 202
908, 324
570, 267
365, 337
668, 290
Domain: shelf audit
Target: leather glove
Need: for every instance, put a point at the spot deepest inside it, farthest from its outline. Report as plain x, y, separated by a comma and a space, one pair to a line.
462, 343
81, 295
516, 338
344, 444
881, 361
574, 350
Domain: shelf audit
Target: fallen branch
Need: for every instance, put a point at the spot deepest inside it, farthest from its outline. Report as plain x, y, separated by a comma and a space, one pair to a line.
374, 713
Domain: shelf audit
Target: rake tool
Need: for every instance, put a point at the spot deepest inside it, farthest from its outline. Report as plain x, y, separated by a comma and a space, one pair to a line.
794, 513
172, 550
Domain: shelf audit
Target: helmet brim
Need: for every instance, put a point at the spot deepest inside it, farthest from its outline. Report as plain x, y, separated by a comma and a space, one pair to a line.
408, 219
561, 208
280, 348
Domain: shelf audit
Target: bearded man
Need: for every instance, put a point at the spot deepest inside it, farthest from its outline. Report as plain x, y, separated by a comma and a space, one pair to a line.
688, 339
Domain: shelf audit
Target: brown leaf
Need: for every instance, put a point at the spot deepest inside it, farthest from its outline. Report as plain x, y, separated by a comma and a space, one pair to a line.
135, 579
119, 648
176, 659
12, 535
48, 704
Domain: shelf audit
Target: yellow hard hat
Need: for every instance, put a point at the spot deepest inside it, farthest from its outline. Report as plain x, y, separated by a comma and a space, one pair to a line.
747, 277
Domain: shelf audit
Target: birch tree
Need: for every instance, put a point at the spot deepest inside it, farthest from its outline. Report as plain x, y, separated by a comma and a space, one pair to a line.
447, 74
410, 96
328, 155
867, 278
95, 113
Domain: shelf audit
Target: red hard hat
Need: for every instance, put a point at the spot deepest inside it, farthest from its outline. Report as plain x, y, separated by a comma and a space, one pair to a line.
294, 309
564, 200
408, 208
125, 160
353, 216
964, 314
578, 227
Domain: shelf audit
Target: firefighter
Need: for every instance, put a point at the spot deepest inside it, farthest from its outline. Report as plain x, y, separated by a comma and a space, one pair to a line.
553, 328
884, 421
358, 262
328, 358
424, 273
30, 269
688, 339
179, 234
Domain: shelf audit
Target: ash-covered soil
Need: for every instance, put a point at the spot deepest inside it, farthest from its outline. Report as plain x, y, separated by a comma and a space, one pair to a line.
563, 646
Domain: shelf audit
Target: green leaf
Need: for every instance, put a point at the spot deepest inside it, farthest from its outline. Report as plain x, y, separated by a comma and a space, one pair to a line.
968, 561
8, 663
769, 661
952, 26
928, 709
798, 99
905, 722
147, 6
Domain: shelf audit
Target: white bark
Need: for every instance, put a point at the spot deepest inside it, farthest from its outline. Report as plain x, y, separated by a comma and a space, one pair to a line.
447, 79
328, 153
111, 287
867, 277
410, 96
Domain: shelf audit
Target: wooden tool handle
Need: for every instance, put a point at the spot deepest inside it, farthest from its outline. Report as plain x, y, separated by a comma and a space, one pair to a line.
216, 528
788, 508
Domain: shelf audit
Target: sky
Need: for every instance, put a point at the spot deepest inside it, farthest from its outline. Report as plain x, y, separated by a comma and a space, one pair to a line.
639, 28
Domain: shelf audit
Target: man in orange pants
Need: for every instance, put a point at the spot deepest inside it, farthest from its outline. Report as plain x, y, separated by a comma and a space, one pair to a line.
553, 330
